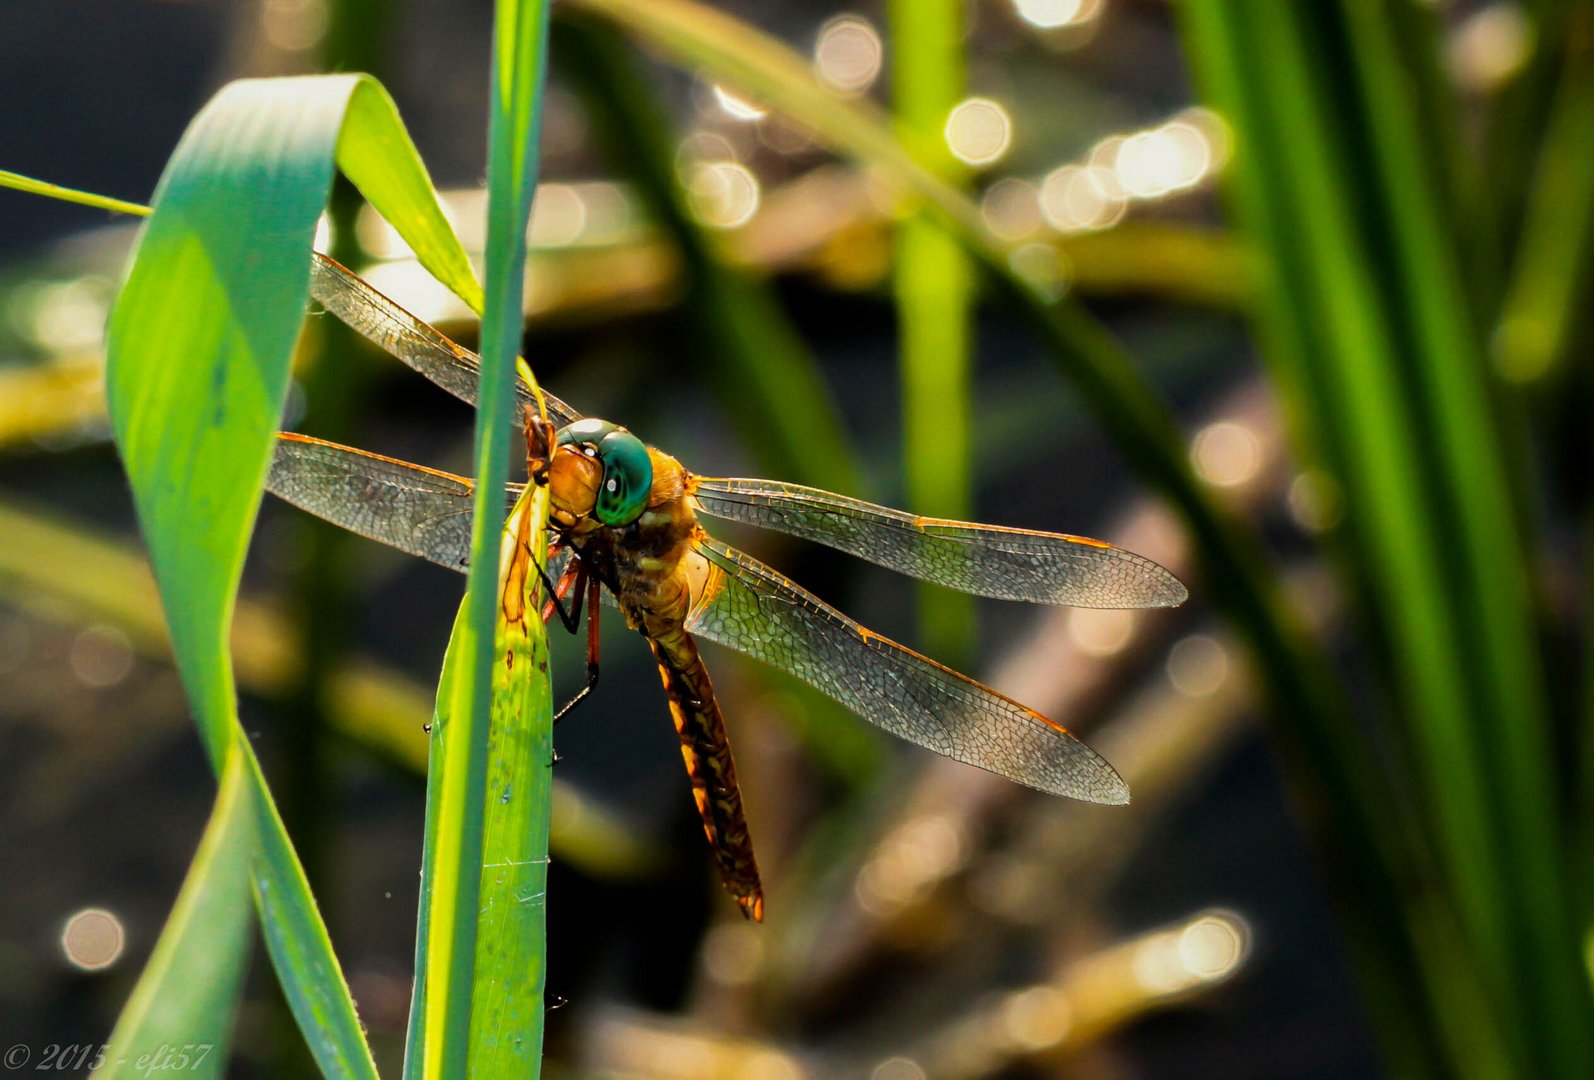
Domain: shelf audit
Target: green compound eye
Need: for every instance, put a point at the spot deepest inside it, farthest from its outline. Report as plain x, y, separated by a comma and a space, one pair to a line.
627, 469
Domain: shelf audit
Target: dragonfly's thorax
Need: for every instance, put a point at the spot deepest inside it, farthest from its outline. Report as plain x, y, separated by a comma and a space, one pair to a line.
649, 564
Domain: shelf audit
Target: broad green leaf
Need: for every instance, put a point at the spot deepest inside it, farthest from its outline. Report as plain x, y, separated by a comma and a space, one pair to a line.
187, 994
199, 347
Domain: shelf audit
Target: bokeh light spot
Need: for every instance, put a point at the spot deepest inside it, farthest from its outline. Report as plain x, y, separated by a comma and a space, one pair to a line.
1043, 266
898, 1068
733, 953
294, 25
1226, 454
1154, 163
737, 108
848, 54
92, 939
1213, 945
1038, 1018
70, 317
723, 194
1197, 666
1101, 632
979, 131
1490, 46
1012, 209
101, 656
1056, 14
1079, 198
1314, 501
558, 216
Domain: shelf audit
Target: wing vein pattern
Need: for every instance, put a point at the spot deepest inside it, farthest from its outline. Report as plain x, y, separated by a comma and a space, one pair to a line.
392, 329
766, 616
986, 560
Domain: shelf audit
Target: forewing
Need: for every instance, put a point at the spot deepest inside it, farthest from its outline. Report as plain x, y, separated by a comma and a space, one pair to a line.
394, 330
758, 612
986, 560
417, 510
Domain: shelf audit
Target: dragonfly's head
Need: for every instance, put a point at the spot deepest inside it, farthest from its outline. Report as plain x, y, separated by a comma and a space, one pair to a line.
600, 470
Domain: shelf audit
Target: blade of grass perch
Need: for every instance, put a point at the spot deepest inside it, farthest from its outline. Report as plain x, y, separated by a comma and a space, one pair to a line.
199, 345
462, 965
188, 992
933, 288
1347, 804
507, 1017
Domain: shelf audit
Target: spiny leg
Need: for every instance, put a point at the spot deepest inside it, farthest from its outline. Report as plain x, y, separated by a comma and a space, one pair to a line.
592, 591
574, 577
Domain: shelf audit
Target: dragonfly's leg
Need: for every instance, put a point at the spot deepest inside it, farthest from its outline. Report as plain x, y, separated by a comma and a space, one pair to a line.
574, 578
592, 651
539, 445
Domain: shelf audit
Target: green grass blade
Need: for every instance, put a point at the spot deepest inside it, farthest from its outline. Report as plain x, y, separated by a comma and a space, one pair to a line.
196, 374
463, 963
511, 954
510, 974
18, 182
1372, 312
1301, 329
422, 1011
1497, 630
1518, 119
188, 992
199, 346
934, 291
1543, 312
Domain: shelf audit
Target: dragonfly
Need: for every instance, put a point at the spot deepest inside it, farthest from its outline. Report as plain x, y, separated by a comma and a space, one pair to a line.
626, 530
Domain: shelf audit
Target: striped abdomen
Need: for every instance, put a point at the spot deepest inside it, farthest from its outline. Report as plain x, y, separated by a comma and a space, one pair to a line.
707, 753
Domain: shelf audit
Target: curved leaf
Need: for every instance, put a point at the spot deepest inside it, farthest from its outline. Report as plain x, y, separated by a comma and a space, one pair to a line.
198, 355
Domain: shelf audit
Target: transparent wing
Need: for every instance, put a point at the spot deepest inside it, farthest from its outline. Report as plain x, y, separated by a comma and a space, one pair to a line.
987, 560
766, 616
417, 510
394, 330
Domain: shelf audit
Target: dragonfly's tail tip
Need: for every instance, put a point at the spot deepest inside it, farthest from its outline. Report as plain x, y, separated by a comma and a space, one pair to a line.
752, 907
